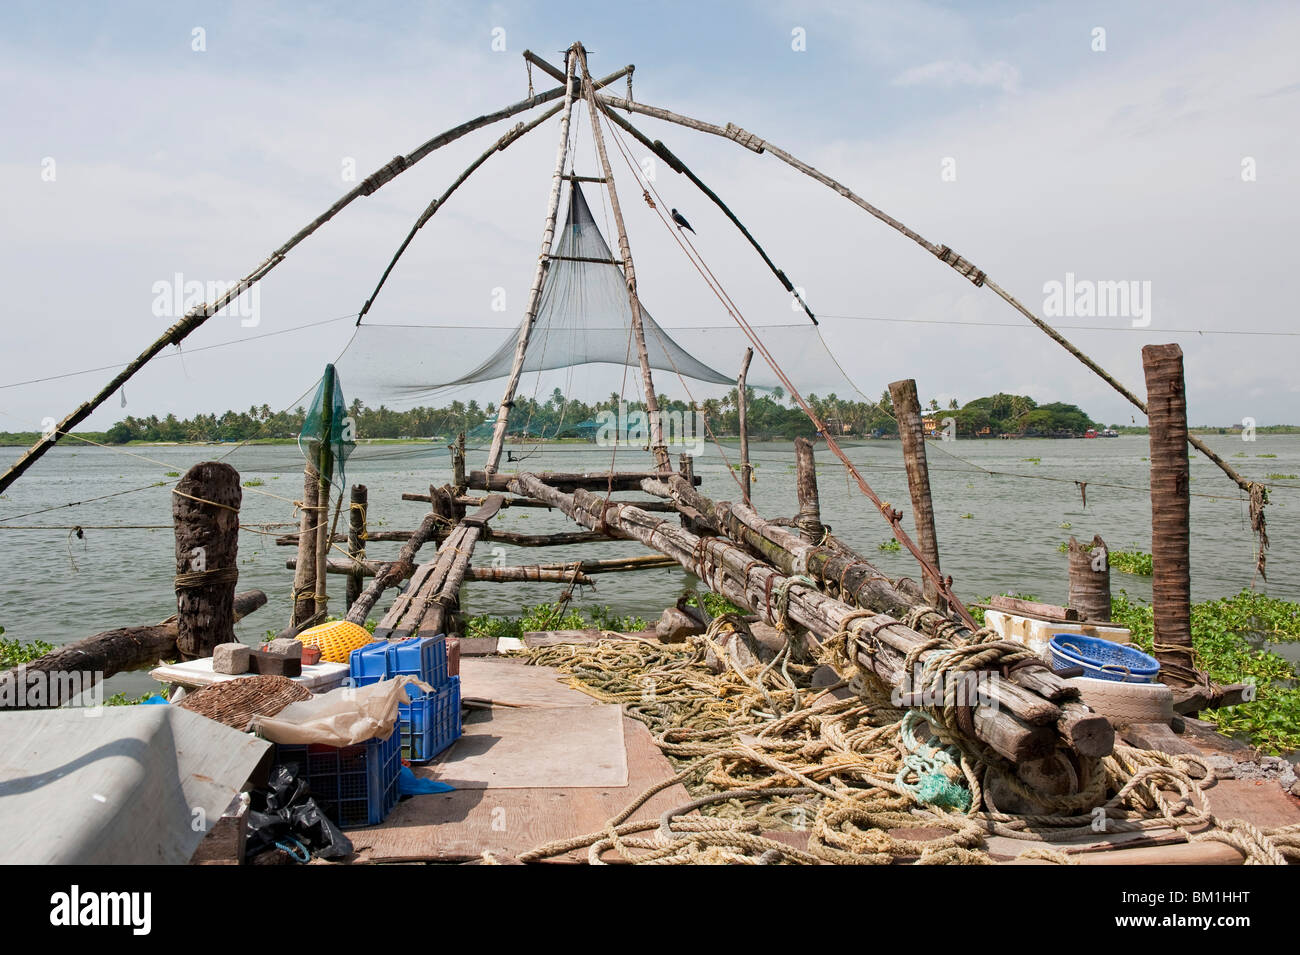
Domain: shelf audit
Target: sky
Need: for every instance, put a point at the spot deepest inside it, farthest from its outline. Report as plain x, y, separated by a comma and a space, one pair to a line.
1149, 144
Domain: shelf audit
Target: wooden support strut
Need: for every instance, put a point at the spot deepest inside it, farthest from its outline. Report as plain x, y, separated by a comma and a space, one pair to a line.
809, 517
1018, 723
304, 579
907, 411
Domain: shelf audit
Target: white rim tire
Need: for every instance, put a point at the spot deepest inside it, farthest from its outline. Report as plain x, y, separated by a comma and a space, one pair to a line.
1127, 702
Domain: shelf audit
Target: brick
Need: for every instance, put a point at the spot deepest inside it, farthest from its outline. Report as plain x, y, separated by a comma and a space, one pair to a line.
285, 647
275, 664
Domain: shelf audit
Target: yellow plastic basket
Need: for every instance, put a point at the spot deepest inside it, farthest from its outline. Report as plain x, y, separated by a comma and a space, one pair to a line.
336, 640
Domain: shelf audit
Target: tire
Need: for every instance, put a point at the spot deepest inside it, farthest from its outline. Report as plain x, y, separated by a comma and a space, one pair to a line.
1127, 702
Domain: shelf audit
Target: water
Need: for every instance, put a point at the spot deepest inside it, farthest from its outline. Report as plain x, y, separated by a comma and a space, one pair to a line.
996, 533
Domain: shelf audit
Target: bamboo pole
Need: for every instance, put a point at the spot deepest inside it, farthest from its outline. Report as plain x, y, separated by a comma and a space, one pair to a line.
524, 573
357, 538
942, 252
907, 411
657, 445
201, 313
1171, 578
676, 165
742, 413
539, 277
324, 478
517, 132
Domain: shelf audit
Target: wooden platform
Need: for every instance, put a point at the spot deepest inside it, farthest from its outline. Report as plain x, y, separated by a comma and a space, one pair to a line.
459, 826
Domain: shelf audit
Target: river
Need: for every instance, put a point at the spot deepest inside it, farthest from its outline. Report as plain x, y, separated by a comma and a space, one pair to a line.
997, 531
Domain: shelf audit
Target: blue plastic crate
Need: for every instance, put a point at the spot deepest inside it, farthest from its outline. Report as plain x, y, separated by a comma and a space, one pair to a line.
354, 785
369, 664
432, 723
422, 657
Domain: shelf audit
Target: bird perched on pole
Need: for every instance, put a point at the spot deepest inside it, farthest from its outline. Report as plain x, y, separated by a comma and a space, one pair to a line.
681, 222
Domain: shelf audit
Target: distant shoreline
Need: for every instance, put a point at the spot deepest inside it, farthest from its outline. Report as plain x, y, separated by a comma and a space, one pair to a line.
27, 439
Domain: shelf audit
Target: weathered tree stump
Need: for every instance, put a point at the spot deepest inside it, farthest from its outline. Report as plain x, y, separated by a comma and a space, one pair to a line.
1090, 578
205, 511
809, 518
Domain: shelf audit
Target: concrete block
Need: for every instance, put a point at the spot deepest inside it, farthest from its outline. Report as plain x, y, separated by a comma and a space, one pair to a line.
230, 658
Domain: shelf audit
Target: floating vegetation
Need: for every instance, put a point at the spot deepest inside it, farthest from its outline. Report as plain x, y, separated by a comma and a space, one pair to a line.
552, 616
1033, 460
1131, 562
889, 545
1063, 547
254, 482
1227, 634
964, 517
1065, 525
1279, 476
1266, 455
172, 474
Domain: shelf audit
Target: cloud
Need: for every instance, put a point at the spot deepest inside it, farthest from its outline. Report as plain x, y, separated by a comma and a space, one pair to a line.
948, 73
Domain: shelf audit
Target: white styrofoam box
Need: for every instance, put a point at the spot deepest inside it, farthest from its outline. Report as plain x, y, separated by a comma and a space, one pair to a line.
1037, 634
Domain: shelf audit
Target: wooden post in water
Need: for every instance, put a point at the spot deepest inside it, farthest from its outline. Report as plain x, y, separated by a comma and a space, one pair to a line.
458, 464
357, 538
809, 518
205, 511
1090, 578
324, 474
304, 578
1171, 574
742, 413
907, 412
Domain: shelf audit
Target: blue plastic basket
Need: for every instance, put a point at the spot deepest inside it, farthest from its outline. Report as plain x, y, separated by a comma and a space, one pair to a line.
422, 657
353, 785
431, 723
1102, 659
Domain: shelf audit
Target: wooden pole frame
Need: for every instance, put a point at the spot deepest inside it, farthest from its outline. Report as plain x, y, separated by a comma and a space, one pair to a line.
539, 276
201, 313
657, 446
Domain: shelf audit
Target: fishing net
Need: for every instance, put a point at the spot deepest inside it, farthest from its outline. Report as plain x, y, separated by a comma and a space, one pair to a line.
584, 321
334, 426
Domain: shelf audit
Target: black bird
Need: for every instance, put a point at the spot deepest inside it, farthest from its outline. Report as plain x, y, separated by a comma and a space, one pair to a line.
681, 221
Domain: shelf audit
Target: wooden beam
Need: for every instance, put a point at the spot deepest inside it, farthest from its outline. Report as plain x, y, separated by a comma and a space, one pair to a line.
79, 666
1020, 724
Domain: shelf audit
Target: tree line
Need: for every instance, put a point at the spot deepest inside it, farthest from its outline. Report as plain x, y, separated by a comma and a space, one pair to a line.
769, 415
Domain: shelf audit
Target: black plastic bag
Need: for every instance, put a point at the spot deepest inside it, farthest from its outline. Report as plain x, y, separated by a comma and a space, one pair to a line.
283, 815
